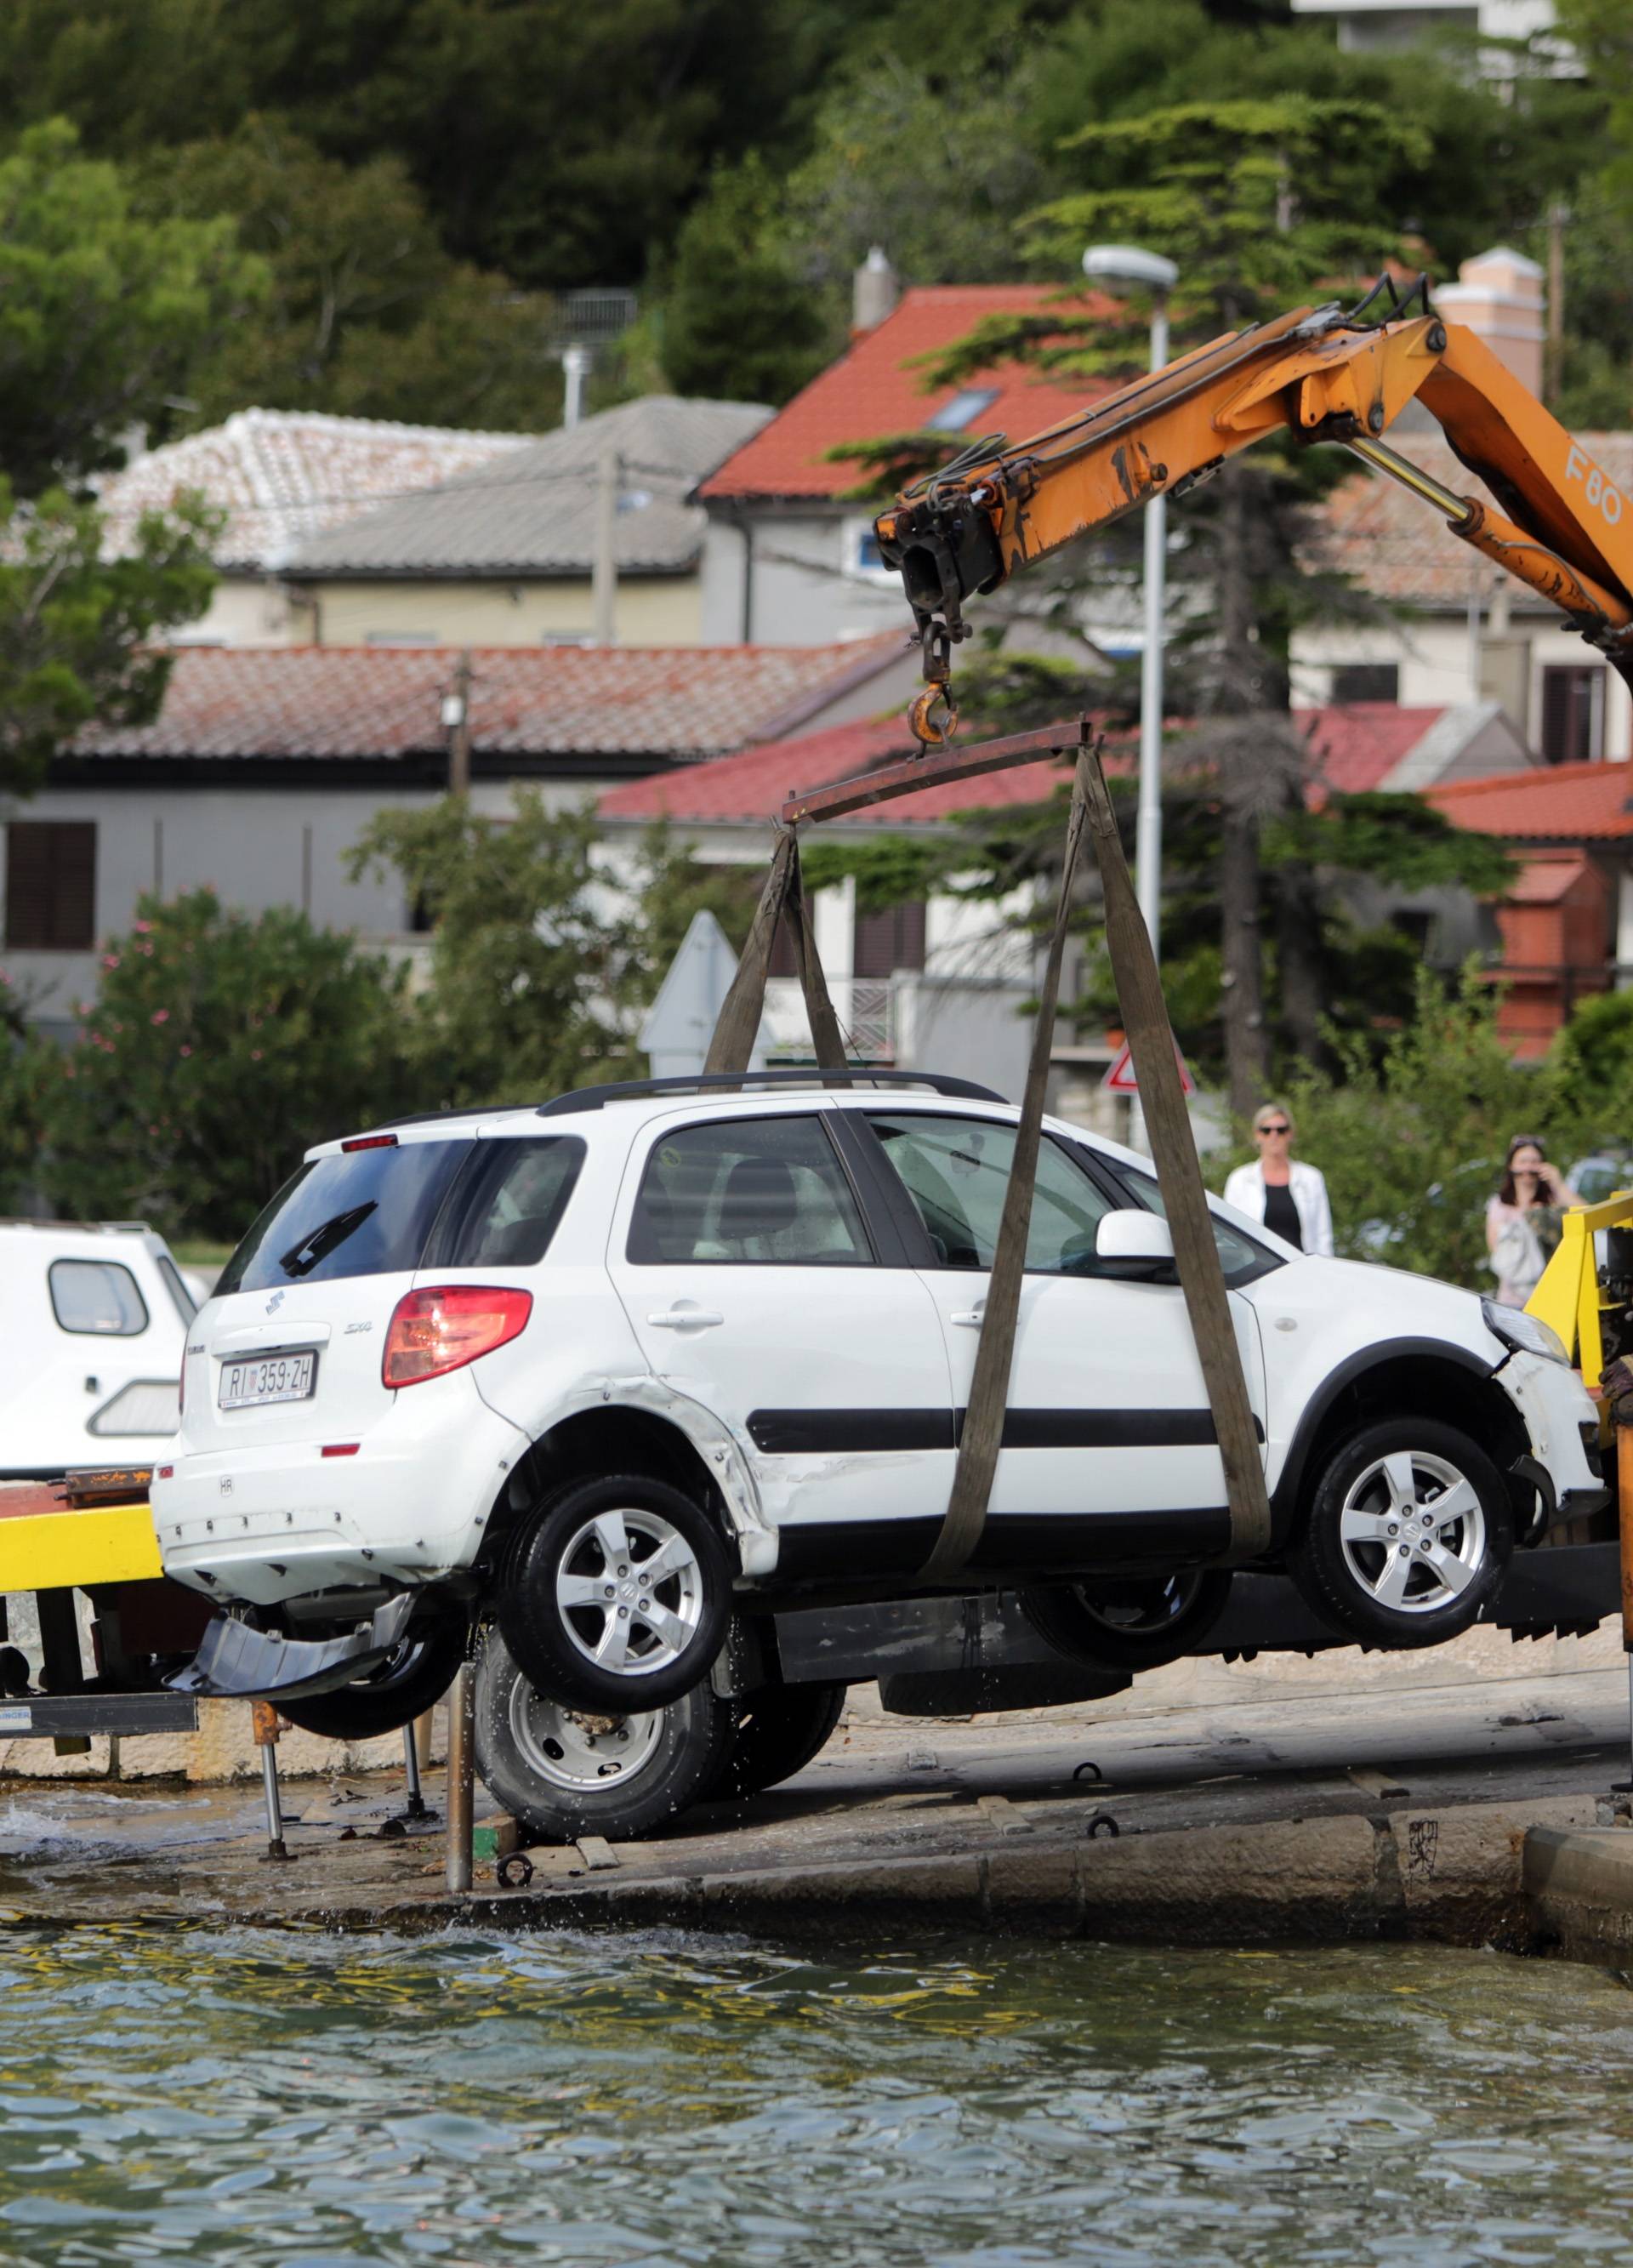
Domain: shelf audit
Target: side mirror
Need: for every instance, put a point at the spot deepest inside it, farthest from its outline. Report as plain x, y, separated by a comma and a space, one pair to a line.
1134, 1244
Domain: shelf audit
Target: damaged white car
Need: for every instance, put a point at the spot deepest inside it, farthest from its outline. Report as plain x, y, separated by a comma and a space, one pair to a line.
611, 1371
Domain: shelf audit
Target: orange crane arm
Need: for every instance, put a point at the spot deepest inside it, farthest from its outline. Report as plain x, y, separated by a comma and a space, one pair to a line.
1565, 530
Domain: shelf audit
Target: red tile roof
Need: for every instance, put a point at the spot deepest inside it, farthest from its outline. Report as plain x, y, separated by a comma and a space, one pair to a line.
871, 393
675, 703
748, 789
1354, 747
1563, 803
1403, 551
1544, 881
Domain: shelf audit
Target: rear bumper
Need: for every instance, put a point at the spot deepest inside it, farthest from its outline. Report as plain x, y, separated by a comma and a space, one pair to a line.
234, 1662
275, 1522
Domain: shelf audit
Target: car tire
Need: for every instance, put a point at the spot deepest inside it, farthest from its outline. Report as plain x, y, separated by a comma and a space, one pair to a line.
1408, 1531
406, 1684
777, 1733
562, 1771
1128, 1623
587, 1623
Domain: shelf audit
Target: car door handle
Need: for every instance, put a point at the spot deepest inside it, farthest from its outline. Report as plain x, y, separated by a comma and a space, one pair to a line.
974, 1319
685, 1318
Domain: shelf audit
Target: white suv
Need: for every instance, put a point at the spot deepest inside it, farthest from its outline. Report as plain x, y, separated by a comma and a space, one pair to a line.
607, 1370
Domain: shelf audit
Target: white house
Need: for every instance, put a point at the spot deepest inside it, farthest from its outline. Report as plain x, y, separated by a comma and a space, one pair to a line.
281, 476
264, 767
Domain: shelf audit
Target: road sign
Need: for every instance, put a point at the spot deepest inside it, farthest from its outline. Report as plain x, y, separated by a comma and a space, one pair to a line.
1120, 1079
681, 1019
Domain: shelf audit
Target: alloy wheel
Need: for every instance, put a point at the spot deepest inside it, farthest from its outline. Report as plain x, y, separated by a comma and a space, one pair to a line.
1412, 1532
629, 1592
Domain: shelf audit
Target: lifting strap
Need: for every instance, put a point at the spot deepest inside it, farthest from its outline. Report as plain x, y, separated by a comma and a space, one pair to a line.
1174, 1154
736, 1027
982, 1433
1179, 1176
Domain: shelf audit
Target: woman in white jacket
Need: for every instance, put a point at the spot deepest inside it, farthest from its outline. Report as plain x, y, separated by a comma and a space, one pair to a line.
1280, 1191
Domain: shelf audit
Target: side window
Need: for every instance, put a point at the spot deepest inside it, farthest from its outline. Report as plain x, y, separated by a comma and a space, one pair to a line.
769, 1190
956, 1171
98, 1297
1241, 1260
505, 1212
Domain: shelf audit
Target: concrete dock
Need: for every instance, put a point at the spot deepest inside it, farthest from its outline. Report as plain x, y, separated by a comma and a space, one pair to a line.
1233, 1809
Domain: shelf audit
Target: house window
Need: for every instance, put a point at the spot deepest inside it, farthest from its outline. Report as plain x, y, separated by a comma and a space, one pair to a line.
962, 410
1573, 712
886, 941
1366, 680
50, 885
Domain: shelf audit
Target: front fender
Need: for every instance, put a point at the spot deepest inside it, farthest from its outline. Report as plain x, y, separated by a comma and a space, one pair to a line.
1284, 1497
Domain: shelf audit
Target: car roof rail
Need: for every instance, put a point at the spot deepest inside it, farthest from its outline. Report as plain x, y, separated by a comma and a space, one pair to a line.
732, 1082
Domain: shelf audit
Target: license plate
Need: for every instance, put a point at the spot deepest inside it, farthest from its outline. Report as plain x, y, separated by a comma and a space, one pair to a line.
268, 1378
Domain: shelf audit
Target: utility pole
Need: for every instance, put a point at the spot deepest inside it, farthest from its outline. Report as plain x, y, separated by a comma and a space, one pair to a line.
1554, 367
604, 583
456, 715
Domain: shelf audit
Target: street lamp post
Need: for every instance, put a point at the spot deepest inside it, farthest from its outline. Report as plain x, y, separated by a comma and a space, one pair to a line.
1126, 263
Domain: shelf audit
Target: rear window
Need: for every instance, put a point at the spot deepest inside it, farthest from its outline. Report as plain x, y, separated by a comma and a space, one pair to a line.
506, 1205
363, 1212
97, 1296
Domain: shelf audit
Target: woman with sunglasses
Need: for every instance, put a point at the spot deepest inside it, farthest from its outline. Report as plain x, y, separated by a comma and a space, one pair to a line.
1289, 1196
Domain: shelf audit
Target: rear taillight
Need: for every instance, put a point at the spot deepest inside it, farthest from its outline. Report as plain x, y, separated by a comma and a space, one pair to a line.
447, 1326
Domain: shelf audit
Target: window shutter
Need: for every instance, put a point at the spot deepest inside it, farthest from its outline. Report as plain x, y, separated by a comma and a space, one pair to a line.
889, 940
1572, 704
50, 885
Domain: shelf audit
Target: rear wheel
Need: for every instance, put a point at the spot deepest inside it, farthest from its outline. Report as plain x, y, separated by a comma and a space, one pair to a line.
1409, 1529
618, 1594
778, 1731
408, 1682
1129, 1622
562, 1772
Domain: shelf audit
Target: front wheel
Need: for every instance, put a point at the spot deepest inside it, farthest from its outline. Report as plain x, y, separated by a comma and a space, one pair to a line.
618, 1594
1408, 1532
562, 1771
410, 1680
1129, 1622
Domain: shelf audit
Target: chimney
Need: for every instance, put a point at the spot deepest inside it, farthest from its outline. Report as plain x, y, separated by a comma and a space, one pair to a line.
874, 287
1499, 296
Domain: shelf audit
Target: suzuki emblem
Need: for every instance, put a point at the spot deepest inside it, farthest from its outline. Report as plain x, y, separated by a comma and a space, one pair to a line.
274, 1303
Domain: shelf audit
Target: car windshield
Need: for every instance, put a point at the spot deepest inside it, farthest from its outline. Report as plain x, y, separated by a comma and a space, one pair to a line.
362, 1212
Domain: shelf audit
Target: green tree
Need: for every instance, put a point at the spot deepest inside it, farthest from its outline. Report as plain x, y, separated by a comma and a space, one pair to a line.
220, 1046
1262, 201
365, 314
542, 957
75, 625
738, 322
103, 312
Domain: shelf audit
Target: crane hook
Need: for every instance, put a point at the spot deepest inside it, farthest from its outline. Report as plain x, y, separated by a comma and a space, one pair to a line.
926, 729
